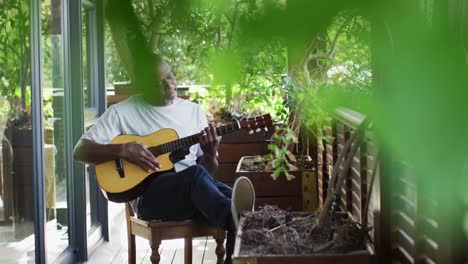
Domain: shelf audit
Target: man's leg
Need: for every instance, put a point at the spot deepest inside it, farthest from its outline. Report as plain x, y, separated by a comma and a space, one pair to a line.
244, 189
225, 189
181, 195
191, 193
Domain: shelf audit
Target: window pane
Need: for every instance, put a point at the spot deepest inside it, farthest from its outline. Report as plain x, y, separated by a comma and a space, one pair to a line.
54, 129
16, 156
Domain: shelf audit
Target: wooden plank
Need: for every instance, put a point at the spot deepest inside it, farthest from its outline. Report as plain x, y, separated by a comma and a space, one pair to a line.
143, 250
406, 205
265, 185
226, 172
243, 136
356, 187
146, 258
400, 255
121, 257
178, 256
210, 255
404, 222
321, 152
404, 240
169, 248
428, 225
356, 174
199, 245
309, 191
321, 187
345, 202
233, 152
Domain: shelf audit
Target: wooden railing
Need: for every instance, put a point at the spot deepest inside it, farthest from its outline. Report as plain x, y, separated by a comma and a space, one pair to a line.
405, 219
355, 190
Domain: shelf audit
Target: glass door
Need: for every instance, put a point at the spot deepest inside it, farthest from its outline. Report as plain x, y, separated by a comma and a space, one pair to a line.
17, 183
91, 104
53, 94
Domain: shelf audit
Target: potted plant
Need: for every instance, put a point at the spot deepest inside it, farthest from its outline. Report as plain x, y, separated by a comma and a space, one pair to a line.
319, 78
280, 177
272, 235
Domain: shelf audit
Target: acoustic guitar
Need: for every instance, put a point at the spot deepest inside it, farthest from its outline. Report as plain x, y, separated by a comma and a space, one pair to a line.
123, 181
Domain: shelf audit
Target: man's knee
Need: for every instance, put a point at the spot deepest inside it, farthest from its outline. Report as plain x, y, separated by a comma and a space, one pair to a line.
198, 171
193, 175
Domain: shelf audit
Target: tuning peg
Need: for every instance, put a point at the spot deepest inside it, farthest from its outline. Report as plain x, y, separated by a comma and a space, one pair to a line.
258, 130
266, 129
251, 132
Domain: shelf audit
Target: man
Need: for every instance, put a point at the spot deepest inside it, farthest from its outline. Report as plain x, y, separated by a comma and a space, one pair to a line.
190, 192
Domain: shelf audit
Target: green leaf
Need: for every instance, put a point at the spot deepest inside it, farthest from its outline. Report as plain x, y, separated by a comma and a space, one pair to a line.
272, 147
277, 162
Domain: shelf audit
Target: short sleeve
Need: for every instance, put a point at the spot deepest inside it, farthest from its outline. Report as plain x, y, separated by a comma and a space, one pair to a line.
106, 128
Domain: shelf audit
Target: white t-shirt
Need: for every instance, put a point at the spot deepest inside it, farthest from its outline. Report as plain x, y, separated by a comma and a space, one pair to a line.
135, 116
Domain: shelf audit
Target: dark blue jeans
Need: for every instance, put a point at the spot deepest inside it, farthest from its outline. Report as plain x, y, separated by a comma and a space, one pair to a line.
191, 194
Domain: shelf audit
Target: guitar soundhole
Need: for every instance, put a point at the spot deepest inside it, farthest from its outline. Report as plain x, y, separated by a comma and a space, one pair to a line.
119, 166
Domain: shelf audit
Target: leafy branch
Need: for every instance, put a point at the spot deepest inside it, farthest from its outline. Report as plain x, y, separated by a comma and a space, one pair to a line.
281, 158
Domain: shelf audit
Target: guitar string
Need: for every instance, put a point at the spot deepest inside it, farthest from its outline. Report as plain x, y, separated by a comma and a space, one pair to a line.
191, 140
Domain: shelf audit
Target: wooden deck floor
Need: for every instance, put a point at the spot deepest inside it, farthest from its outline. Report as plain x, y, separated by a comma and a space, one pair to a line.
172, 251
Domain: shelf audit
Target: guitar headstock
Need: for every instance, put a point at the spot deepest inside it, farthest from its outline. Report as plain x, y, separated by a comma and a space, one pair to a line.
256, 123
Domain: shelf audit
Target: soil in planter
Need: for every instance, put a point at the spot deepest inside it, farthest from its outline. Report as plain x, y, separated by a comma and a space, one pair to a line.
255, 163
252, 163
265, 232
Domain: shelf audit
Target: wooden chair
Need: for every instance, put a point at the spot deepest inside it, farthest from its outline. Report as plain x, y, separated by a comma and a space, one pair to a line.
155, 231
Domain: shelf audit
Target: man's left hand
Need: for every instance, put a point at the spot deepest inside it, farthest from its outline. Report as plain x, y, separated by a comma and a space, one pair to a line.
209, 141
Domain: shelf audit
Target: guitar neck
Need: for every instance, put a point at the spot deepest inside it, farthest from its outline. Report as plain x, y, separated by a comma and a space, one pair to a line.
190, 140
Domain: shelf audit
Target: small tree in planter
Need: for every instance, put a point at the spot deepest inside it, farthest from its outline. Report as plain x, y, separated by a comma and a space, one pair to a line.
317, 73
325, 233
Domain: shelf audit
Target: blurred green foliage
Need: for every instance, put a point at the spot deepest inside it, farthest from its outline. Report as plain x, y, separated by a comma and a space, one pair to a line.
203, 47
402, 63
418, 70
204, 43
15, 59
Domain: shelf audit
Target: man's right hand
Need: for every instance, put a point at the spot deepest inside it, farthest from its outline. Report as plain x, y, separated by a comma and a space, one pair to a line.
139, 154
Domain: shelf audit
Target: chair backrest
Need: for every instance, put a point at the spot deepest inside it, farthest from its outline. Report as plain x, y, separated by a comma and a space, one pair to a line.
129, 210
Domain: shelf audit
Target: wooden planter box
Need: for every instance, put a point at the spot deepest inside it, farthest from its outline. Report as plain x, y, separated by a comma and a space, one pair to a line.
360, 256
235, 145
300, 194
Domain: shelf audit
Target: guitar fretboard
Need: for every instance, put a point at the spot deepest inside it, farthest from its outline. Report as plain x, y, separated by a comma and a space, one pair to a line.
190, 140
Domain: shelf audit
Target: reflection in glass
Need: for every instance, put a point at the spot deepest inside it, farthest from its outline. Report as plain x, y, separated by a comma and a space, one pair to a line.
54, 129
16, 157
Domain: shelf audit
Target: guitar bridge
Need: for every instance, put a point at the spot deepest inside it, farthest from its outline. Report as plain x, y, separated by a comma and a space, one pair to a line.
119, 166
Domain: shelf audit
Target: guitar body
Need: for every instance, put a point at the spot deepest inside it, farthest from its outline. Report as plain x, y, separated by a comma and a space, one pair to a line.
132, 185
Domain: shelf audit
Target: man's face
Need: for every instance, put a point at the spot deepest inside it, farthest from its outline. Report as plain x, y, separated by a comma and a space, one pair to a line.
168, 83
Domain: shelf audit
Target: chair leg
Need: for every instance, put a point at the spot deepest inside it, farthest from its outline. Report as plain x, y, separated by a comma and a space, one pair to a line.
155, 257
131, 250
220, 250
188, 250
